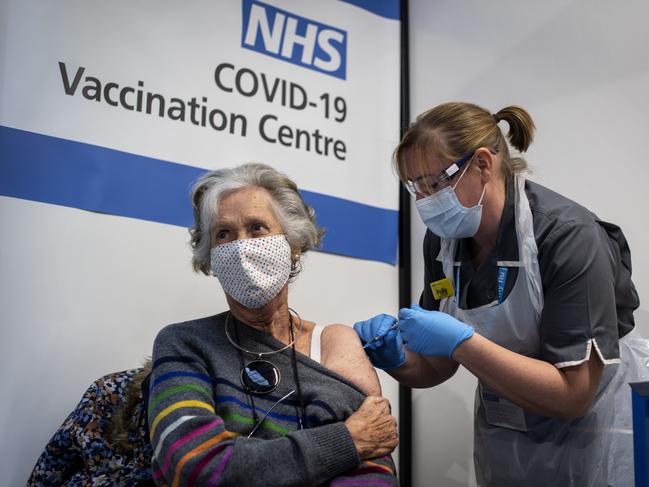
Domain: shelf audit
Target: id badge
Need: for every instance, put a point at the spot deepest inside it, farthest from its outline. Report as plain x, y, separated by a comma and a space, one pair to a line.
442, 289
501, 412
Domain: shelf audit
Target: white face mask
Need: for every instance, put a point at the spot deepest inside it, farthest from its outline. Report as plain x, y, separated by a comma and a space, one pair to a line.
446, 217
252, 270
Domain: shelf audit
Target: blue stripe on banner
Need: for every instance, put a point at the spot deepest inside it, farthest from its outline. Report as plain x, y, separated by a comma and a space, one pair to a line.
389, 9
354, 229
68, 173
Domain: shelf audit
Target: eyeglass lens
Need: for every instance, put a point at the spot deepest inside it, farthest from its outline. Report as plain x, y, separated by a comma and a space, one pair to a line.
427, 185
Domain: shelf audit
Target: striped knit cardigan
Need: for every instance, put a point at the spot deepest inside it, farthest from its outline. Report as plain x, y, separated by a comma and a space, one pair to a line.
200, 416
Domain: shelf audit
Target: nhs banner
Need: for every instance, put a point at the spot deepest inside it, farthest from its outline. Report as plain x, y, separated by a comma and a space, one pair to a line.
310, 87
298, 40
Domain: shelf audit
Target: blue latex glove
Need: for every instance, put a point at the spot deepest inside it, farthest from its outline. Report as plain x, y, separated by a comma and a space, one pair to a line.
387, 352
431, 332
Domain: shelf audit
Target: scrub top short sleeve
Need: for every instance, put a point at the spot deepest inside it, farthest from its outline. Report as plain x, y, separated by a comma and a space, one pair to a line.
578, 267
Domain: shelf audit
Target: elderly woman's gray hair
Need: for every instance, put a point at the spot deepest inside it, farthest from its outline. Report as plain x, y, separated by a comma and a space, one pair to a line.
295, 216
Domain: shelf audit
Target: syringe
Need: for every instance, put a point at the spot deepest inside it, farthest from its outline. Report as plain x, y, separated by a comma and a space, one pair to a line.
378, 337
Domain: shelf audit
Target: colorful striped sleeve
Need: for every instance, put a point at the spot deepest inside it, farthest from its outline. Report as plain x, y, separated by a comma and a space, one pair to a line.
191, 445
378, 472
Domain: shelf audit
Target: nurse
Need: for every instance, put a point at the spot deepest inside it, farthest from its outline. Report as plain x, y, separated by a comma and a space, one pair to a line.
529, 291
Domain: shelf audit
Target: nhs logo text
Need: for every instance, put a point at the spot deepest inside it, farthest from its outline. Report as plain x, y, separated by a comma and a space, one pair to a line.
298, 40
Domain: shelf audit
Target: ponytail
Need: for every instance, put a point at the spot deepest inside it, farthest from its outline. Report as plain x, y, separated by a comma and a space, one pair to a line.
521, 126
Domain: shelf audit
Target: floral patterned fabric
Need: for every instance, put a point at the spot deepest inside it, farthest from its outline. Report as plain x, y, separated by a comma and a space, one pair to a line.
80, 452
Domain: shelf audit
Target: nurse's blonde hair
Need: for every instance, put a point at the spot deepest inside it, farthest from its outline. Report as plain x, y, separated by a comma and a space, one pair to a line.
452, 130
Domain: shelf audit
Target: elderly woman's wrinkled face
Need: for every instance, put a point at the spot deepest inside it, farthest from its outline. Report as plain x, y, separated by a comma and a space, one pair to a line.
245, 213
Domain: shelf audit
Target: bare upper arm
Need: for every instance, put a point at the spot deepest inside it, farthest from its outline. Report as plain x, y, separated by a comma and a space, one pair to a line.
342, 352
583, 380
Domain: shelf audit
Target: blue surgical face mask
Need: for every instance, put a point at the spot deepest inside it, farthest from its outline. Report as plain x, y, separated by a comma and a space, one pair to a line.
446, 217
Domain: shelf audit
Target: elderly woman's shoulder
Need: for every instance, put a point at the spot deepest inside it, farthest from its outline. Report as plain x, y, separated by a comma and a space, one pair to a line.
343, 352
337, 332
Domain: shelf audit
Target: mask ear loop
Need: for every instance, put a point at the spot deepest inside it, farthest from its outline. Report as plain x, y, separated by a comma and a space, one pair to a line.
462, 175
482, 195
460, 178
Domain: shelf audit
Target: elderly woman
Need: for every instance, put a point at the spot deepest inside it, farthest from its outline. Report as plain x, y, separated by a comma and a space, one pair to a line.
258, 395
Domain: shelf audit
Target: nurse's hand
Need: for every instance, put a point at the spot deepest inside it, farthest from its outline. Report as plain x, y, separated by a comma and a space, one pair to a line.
387, 352
431, 332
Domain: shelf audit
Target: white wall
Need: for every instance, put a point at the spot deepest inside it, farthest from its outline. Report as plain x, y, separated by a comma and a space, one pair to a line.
582, 70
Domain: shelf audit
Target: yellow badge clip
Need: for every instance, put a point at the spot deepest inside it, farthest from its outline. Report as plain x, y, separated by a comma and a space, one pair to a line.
442, 289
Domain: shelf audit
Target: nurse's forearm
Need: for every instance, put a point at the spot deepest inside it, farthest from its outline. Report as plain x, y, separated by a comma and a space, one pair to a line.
419, 371
532, 384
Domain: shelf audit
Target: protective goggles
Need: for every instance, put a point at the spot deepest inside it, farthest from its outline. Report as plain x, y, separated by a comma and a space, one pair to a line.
432, 183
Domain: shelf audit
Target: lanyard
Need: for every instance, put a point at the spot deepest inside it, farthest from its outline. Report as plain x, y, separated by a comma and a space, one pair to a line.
502, 279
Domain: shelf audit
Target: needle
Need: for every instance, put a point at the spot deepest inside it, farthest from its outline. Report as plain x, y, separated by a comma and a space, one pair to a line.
378, 337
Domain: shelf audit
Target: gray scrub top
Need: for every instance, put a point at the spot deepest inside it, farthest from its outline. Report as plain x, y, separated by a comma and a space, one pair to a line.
585, 267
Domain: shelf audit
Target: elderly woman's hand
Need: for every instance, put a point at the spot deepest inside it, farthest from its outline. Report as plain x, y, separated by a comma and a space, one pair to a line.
373, 428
